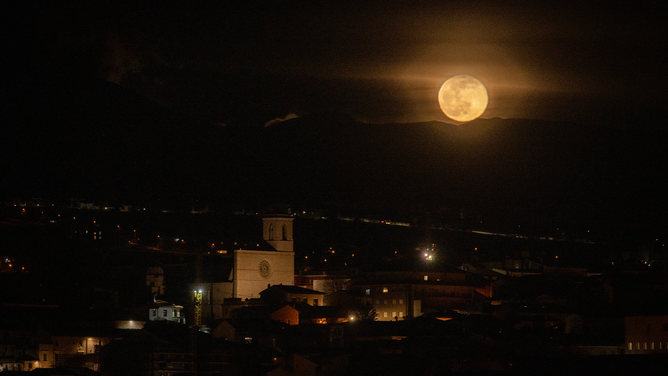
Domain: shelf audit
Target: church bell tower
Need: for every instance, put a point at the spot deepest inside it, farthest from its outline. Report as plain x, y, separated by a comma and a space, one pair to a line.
277, 231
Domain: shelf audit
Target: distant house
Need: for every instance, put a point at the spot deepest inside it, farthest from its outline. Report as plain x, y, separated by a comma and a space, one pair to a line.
166, 348
400, 295
313, 365
286, 314
22, 363
322, 281
646, 334
62, 347
278, 294
260, 332
155, 277
161, 310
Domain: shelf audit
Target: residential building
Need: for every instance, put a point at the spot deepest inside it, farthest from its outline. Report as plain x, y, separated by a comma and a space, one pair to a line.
646, 334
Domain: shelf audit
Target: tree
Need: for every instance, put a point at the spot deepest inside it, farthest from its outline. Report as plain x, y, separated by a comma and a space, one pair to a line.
364, 312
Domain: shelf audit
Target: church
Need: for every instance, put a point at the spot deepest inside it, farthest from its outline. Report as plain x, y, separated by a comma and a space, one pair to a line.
248, 269
255, 270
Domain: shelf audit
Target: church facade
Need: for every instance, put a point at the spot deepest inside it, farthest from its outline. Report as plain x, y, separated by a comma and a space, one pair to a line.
243, 273
251, 270
255, 270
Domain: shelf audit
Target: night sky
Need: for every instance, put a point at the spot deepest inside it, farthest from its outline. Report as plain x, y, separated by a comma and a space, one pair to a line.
241, 64
141, 103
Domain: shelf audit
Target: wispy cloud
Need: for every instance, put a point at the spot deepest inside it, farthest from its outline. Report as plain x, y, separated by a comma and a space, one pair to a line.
289, 116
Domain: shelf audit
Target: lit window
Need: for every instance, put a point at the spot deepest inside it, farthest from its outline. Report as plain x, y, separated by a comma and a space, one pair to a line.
637, 345
394, 314
401, 301
652, 346
630, 346
385, 289
401, 314
384, 314
426, 278
645, 346
368, 292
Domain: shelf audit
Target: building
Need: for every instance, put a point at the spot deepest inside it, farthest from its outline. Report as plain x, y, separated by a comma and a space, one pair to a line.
278, 294
155, 277
254, 270
160, 310
168, 349
235, 275
401, 295
646, 334
322, 281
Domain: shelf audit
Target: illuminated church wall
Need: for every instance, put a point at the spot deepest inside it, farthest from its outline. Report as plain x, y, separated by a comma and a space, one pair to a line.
255, 270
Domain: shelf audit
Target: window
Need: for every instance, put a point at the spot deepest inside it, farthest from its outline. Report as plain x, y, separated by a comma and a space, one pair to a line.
401, 301
44, 357
652, 346
384, 314
164, 312
385, 301
645, 346
630, 346
637, 345
426, 278
394, 301
394, 314
401, 314
377, 302
315, 302
385, 290
367, 292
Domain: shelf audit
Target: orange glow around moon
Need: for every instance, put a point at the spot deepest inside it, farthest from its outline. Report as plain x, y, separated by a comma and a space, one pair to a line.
463, 98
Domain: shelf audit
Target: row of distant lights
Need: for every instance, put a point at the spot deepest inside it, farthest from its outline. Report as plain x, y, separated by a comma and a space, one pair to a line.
332, 251
176, 240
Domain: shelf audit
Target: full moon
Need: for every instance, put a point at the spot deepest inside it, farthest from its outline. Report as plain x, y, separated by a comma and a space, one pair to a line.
463, 98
